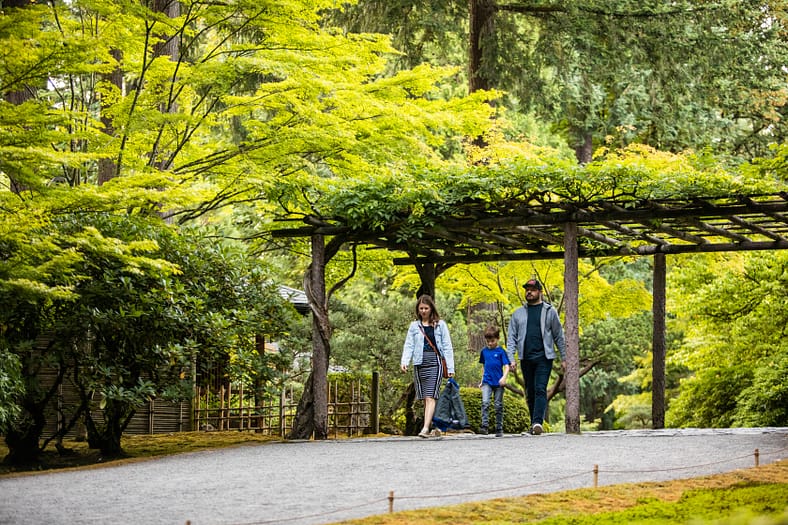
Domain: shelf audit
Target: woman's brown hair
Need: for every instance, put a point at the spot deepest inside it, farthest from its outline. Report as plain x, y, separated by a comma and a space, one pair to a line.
434, 315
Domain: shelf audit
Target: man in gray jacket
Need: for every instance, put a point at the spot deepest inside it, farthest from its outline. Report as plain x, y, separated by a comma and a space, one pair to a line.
533, 330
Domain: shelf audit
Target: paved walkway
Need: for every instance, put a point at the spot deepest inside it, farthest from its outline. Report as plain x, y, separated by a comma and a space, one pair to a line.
306, 483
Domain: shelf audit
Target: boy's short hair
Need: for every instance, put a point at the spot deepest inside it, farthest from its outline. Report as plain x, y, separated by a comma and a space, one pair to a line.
492, 332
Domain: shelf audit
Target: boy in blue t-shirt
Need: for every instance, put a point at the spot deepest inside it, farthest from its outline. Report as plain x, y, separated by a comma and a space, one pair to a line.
496, 368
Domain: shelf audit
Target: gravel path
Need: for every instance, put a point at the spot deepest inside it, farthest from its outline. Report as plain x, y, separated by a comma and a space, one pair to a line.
305, 483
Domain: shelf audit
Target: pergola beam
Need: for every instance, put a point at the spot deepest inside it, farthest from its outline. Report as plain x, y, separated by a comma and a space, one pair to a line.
638, 250
756, 228
674, 232
722, 232
633, 233
591, 234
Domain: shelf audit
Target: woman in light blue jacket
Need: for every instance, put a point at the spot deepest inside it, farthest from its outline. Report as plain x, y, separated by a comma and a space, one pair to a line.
427, 339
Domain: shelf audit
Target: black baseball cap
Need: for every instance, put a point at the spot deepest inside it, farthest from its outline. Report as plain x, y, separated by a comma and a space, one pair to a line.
533, 283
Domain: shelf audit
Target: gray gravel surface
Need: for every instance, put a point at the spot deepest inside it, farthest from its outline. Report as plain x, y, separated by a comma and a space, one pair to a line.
304, 483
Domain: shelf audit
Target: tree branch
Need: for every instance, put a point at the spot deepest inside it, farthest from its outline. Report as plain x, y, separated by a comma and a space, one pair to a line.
536, 10
349, 276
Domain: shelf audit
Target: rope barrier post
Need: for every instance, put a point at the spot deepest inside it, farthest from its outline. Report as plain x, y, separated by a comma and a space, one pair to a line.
757, 457
596, 476
391, 501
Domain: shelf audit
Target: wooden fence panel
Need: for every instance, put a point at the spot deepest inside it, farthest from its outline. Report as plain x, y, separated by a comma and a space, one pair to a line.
229, 409
350, 413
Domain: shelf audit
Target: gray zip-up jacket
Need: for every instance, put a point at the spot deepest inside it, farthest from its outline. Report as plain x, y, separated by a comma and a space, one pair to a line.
552, 332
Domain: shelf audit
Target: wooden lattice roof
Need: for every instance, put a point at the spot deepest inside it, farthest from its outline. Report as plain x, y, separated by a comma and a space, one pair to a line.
605, 228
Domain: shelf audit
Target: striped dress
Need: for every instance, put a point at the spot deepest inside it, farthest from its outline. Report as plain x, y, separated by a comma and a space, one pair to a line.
429, 374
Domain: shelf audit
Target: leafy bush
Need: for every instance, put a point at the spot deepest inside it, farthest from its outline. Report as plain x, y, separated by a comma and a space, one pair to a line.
633, 411
765, 402
515, 411
708, 399
11, 387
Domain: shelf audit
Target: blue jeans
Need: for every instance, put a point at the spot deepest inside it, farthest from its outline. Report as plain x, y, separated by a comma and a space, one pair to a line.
487, 392
536, 373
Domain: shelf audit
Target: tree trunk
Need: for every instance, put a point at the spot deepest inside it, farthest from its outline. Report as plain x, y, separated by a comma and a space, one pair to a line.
427, 275
320, 353
169, 46
16, 97
480, 316
108, 168
658, 344
106, 436
571, 330
303, 422
584, 147
481, 23
23, 438
481, 20
312, 413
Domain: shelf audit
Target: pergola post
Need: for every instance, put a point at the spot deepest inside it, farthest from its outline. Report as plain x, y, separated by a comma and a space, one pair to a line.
571, 329
658, 344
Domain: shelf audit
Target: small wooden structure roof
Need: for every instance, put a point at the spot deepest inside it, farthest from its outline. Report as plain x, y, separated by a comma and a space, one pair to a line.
296, 297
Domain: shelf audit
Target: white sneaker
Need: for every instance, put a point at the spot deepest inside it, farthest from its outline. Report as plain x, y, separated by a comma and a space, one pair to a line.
536, 429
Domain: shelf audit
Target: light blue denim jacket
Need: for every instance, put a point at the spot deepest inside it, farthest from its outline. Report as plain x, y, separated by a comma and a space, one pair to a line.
413, 350
552, 332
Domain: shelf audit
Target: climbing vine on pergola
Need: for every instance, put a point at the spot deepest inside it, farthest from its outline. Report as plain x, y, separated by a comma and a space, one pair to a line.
636, 202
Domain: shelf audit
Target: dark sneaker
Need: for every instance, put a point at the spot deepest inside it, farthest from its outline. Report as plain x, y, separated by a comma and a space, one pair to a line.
499, 434
537, 429
483, 431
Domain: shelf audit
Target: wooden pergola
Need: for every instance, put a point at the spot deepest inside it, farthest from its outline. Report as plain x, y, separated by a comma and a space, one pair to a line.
569, 230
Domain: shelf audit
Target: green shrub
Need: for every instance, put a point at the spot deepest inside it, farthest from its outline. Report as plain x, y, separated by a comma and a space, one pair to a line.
515, 411
765, 402
708, 399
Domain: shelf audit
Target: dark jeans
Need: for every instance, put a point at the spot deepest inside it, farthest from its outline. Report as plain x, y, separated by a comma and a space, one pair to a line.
489, 391
536, 373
